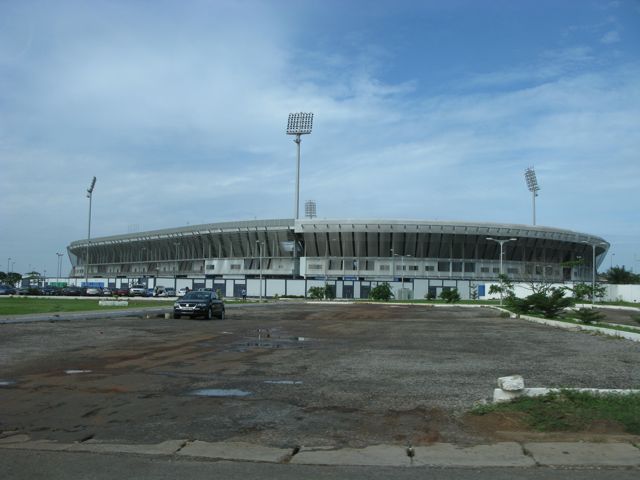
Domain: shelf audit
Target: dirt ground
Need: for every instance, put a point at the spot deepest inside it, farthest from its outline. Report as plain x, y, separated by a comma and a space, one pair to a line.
292, 374
620, 317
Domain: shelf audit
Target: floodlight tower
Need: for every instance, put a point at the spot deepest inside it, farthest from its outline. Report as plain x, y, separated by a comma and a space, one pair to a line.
86, 265
310, 209
299, 124
532, 185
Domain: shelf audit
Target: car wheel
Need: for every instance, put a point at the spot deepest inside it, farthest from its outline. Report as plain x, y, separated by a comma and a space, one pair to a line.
176, 316
222, 314
209, 314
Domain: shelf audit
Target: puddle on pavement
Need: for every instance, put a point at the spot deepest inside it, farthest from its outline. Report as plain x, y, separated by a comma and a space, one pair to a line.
219, 392
7, 383
283, 382
74, 372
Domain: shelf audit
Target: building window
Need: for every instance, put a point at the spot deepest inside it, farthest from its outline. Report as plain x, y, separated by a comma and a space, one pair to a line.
429, 268
456, 266
385, 268
496, 270
211, 267
469, 267
484, 269
315, 266
413, 268
235, 266
513, 270
443, 266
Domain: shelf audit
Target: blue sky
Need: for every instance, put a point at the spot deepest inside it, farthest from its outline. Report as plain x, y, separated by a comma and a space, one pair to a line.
427, 110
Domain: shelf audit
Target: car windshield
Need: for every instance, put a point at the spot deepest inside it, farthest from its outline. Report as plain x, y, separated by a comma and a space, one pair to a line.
197, 296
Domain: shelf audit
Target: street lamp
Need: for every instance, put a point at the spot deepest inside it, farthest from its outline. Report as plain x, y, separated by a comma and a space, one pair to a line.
611, 261
60, 255
502, 241
260, 247
593, 269
8, 260
299, 124
86, 266
532, 185
402, 270
175, 276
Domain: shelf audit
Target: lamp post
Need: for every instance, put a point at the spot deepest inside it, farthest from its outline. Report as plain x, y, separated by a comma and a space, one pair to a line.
8, 261
593, 270
532, 185
86, 266
299, 124
175, 276
59, 255
502, 241
260, 247
402, 272
611, 261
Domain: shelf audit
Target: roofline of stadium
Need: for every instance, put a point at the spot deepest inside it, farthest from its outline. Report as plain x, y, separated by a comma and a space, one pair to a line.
349, 224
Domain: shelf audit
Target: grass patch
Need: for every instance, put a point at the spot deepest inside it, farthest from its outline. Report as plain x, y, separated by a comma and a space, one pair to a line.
573, 411
25, 306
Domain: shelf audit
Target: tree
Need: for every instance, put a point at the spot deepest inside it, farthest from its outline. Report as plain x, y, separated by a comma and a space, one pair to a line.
11, 278
316, 293
549, 304
381, 292
619, 275
505, 288
584, 291
450, 295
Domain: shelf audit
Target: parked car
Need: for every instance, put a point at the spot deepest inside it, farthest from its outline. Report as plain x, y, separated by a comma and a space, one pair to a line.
183, 291
199, 303
93, 291
121, 292
107, 292
7, 290
72, 291
51, 290
29, 290
138, 291
168, 292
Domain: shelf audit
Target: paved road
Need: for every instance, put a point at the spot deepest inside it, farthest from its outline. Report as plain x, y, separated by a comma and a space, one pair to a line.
338, 376
17, 465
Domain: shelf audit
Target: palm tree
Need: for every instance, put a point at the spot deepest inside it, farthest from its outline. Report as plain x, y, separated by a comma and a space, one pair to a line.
619, 275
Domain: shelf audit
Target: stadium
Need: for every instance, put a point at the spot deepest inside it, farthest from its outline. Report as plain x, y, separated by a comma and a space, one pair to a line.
286, 257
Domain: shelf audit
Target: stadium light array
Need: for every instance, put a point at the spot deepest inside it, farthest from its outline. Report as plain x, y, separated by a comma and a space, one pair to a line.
86, 266
532, 185
299, 124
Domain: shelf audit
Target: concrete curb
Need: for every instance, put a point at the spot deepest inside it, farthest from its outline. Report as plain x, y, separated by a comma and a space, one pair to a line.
505, 454
635, 337
238, 451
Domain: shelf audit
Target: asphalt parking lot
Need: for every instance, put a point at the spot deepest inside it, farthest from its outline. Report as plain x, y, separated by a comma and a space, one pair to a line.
287, 374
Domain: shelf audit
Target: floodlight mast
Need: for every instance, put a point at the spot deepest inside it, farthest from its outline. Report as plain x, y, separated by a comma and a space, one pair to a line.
532, 185
299, 124
86, 266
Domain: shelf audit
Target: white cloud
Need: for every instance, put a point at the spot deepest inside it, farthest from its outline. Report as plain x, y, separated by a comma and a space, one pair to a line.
610, 37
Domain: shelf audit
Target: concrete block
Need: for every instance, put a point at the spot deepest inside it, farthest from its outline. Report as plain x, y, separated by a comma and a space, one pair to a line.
378, 455
584, 454
504, 454
511, 383
234, 451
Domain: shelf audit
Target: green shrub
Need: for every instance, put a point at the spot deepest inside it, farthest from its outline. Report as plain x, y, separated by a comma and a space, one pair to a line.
316, 293
450, 295
430, 295
381, 292
588, 315
549, 303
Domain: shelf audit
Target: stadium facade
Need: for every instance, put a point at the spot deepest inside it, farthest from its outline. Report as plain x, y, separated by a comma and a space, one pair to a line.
351, 255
